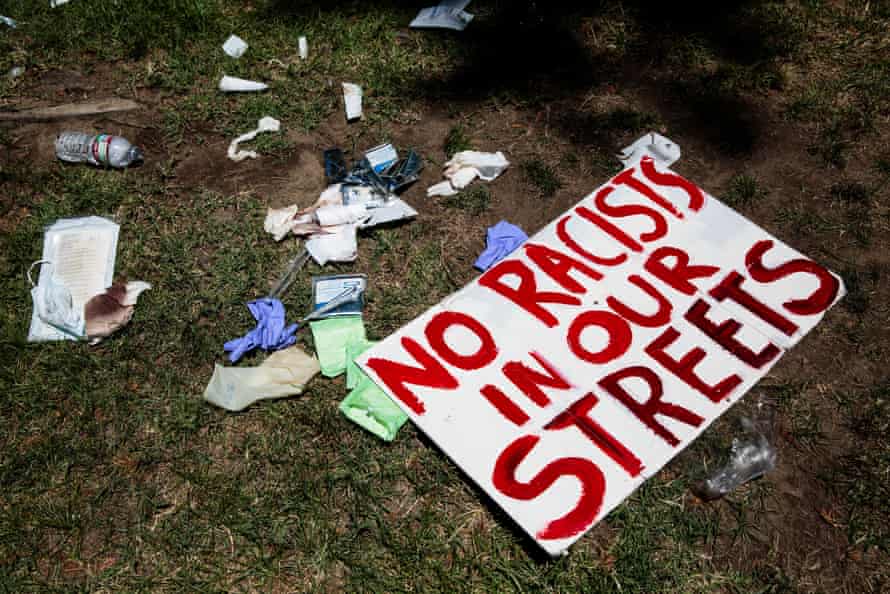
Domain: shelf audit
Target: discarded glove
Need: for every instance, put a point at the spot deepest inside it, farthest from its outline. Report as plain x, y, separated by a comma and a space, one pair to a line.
500, 241
270, 333
283, 373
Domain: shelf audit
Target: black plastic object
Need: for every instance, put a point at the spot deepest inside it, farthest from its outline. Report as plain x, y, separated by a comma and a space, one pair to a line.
334, 166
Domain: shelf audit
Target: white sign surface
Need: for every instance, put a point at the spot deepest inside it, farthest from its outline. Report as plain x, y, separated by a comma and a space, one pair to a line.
573, 370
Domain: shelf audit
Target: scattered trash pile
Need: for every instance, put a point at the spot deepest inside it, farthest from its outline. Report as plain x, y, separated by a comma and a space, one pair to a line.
76, 296
360, 197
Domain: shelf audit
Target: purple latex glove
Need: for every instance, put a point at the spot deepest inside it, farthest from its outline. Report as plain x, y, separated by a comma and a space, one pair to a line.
269, 334
500, 241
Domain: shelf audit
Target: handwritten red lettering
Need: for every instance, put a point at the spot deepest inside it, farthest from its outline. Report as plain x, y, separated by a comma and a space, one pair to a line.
620, 336
563, 234
684, 368
818, 301
396, 375
526, 295
731, 288
696, 196
578, 415
505, 406
724, 335
646, 411
627, 178
661, 317
530, 381
435, 334
678, 275
557, 266
593, 486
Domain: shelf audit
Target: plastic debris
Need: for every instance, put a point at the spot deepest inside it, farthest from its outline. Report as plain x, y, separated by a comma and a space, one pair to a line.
8, 21
283, 373
354, 373
328, 289
81, 256
231, 84
266, 124
270, 333
331, 336
100, 149
352, 99
466, 166
500, 241
303, 46
663, 150
446, 15
55, 3
289, 275
334, 166
235, 46
16, 71
110, 311
750, 457
382, 157
370, 407
54, 304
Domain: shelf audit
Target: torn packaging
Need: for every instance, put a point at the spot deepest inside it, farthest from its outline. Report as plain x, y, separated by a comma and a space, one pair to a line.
110, 311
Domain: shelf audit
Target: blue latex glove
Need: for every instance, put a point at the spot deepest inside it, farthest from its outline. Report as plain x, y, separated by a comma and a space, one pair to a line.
500, 241
269, 334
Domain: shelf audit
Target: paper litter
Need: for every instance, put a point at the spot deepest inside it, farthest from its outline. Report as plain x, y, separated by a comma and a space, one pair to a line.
266, 124
235, 46
466, 166
231, 84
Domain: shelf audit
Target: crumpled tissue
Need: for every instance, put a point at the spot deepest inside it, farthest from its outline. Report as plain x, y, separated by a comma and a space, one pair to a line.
266, 124
464, 167
270, 333
283, 373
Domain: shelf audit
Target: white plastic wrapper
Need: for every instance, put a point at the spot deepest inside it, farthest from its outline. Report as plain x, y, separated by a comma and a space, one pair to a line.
303, 45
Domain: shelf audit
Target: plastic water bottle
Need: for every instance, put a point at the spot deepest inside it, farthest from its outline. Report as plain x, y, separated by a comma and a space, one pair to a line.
102, 149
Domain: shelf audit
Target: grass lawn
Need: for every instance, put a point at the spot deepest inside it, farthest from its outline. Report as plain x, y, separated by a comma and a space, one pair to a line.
117, 477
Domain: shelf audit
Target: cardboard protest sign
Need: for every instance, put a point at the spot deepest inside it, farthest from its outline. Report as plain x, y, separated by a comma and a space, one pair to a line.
573, 370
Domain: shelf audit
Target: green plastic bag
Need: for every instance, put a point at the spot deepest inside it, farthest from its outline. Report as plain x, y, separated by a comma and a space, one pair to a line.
331, 337
353, 350
370, 407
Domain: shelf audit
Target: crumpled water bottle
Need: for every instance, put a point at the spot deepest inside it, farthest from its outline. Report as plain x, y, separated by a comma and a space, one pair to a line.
101, 149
